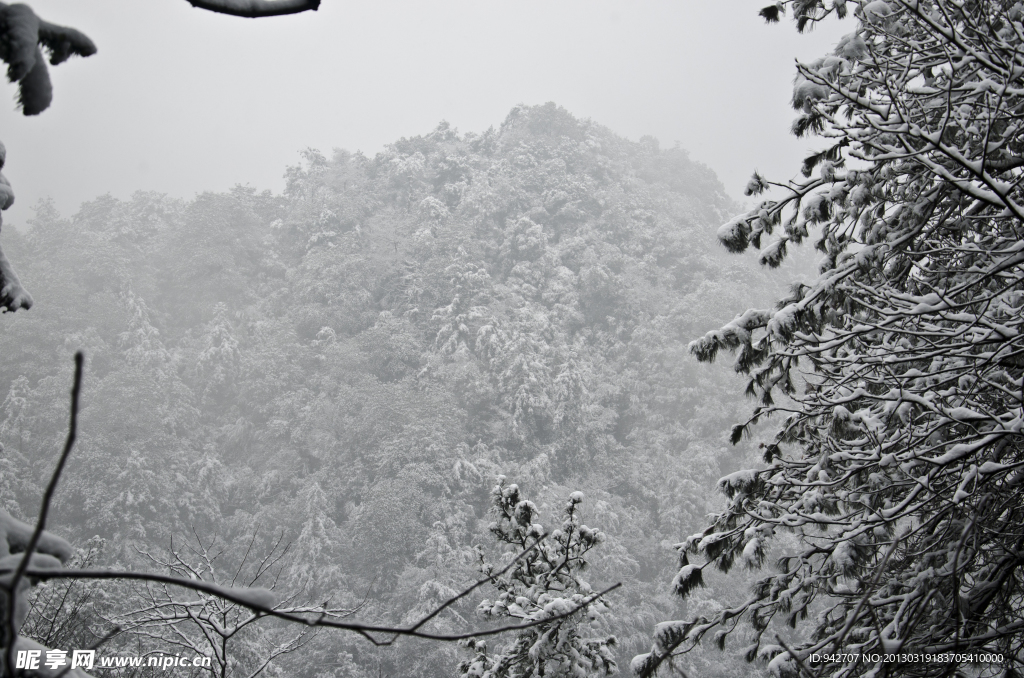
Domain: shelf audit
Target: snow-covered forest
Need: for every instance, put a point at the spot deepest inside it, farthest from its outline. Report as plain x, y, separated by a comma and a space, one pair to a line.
347, 367
453, 409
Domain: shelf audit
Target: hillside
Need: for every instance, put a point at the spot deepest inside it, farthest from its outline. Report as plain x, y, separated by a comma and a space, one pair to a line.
352, 363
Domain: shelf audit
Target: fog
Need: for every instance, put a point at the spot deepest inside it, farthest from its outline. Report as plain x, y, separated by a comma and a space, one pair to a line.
182, 101
340, 406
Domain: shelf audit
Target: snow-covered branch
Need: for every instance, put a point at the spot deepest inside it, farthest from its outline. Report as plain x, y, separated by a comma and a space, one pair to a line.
897, 464
253, 9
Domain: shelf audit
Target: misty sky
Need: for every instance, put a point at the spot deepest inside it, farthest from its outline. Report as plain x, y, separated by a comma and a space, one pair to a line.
181, 101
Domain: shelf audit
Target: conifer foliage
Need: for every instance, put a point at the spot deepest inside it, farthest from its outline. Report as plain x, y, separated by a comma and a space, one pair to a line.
898, 459
23, 37
544, 583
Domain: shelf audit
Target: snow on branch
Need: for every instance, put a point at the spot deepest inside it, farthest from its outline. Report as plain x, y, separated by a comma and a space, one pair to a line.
314, 617
23, 36
12, 294
898, 464
253, 9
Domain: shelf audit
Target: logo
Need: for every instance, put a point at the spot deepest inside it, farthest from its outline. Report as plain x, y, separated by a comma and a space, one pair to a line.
55, 659
34, 660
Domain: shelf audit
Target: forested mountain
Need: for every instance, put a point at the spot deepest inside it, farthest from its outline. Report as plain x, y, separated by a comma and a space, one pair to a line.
348, 367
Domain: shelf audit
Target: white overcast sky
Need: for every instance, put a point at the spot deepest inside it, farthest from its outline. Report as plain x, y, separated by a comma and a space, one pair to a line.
181, 101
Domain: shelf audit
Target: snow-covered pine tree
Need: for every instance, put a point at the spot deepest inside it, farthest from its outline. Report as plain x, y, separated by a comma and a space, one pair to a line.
897, 374
544, 582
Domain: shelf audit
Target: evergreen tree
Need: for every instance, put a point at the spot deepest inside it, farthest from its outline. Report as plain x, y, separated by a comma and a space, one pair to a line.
546, 580
897, 374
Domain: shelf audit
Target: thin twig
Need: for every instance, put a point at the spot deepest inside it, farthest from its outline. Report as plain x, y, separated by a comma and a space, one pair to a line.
246, 555
478, 584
